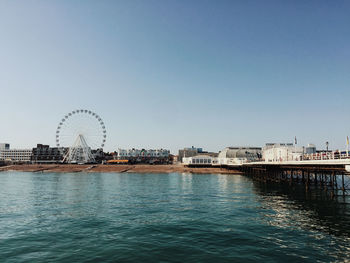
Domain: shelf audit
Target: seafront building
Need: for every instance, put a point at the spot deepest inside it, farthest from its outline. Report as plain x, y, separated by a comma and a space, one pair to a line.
199, 160
228, 156
238, 155
189, 152
144, 155
193, 151
271, 152
280, 152
14, 155
133, 153
46, 154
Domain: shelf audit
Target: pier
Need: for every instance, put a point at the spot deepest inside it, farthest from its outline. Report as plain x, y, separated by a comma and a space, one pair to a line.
330, 175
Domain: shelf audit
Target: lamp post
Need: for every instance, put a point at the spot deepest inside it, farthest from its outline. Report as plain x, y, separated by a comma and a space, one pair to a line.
327, 143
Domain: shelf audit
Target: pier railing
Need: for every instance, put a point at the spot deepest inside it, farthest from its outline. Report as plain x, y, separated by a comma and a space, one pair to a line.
327, 156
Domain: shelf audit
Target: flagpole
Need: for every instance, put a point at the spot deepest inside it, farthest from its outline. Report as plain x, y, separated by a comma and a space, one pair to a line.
347, 146
295, 146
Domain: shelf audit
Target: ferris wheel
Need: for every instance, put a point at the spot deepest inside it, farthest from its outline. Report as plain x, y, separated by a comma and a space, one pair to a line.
81, 131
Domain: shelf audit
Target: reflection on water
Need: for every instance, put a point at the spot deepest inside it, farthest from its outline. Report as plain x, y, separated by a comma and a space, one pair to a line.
323, 218
315, 210
166, 217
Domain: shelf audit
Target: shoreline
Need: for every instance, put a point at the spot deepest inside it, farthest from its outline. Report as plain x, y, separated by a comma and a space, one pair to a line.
127, 168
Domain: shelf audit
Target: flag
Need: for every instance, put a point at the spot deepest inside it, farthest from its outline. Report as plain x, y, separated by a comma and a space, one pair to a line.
295, 140
347, 140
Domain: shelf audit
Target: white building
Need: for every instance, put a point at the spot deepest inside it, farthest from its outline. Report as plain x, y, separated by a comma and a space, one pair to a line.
136, 153
199, 160
281, 152
238, 155
14, 155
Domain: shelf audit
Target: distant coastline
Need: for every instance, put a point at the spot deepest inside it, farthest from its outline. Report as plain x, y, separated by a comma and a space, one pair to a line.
75, 168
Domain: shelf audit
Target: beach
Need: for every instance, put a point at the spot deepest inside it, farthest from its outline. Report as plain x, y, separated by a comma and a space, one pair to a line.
141, 168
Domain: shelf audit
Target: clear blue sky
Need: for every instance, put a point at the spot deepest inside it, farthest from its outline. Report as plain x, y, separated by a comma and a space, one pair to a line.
177, 73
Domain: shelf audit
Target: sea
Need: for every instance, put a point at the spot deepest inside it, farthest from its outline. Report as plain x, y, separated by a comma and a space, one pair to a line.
129, 217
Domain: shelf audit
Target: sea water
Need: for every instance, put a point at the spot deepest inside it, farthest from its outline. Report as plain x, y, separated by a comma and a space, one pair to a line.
111, 217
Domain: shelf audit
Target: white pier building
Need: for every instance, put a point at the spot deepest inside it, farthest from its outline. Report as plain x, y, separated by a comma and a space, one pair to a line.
281, 152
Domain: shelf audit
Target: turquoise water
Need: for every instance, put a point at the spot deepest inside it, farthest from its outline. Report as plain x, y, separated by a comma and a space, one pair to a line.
109, 217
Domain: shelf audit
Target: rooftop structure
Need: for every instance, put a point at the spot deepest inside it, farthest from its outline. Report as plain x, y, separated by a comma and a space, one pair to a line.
4, 146
274, 145
310, 149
